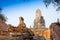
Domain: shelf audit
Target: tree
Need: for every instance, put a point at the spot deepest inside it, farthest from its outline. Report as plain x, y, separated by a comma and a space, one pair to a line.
55, 2
3, 18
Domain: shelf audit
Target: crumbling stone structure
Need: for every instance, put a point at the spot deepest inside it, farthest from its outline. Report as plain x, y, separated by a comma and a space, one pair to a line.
39, 21
55, 31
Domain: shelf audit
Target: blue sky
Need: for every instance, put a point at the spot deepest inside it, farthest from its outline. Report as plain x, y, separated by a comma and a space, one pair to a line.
13, 9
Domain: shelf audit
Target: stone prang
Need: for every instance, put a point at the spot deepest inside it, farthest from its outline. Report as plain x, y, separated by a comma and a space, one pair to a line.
39, 21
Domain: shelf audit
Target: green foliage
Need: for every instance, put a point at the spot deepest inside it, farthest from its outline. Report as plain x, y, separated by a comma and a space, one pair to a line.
55, 2
2, 17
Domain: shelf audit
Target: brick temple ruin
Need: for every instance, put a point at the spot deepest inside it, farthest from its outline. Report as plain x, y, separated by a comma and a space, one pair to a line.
38, 31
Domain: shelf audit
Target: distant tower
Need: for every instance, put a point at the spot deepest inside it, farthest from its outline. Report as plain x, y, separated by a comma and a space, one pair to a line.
0, 10
58, 20
39, 20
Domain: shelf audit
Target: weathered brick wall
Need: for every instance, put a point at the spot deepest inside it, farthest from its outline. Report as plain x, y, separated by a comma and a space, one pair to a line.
3, 26
55, 31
